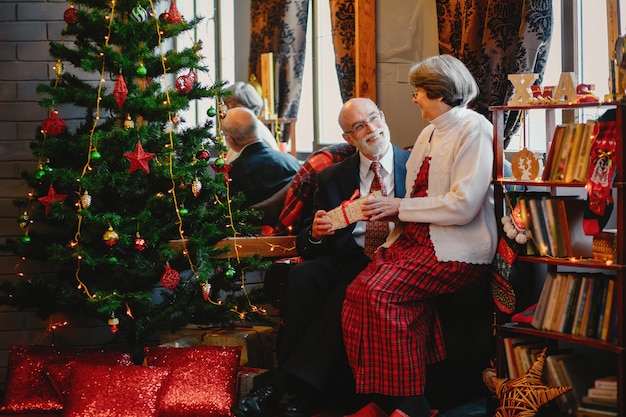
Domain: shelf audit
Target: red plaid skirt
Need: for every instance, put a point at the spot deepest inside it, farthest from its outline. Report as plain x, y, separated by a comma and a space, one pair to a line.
391, 329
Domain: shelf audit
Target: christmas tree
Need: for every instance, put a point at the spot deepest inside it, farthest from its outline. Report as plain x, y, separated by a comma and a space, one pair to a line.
110, 195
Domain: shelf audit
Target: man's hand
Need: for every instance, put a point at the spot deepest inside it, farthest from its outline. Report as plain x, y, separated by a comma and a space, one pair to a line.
381, 208
321, 226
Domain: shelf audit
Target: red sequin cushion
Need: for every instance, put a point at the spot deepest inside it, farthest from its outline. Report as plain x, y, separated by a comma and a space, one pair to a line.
113, 391
59, 373
27, 387
203, 380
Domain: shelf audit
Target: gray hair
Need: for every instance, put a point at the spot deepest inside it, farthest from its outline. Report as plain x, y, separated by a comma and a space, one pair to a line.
446, 77
244, 95
240, 124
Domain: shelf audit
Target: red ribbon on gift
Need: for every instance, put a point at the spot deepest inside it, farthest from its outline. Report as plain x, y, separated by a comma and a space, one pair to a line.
344, 204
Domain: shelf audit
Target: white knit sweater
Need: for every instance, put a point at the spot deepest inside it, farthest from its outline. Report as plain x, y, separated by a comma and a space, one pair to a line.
459, 206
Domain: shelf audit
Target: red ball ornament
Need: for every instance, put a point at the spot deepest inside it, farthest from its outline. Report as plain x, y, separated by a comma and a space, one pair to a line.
140, 243
70, 16
184, 83
53, 125
203, 154
163, 17
170, 278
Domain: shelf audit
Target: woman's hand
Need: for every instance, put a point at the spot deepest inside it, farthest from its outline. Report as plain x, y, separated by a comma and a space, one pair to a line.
381, 208
321, 226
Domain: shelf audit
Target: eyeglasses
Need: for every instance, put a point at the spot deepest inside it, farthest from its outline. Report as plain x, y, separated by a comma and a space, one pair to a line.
360, 126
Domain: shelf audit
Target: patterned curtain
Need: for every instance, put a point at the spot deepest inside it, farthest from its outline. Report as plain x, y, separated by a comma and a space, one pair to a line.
342, 15
495, 38
279, 26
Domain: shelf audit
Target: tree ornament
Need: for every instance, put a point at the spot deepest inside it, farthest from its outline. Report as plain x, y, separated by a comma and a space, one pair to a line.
170, 278
206, 290
184, 83
26, 239
174, 15
128, 123
120, 91
53, 125
51, 198
230, 272
141, 70
196, 187
139, 159
183, 211
40, 173
24, 220
59, 68
95, 155
85, 200
112, 260
221, 166
113, 323
110, 237
164, 17
139, 14
140, 243
211, 112
525, 165
203, 154
70, 16
223, 110
192, 74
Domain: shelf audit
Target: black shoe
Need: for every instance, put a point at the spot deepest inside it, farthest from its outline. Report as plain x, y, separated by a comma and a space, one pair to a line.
261, 402
300, 407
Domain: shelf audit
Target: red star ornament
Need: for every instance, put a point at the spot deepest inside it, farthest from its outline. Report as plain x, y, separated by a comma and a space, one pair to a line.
139, 159
51, 198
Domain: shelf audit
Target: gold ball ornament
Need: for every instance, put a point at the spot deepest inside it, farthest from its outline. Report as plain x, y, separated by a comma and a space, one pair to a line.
85, 200
110, 237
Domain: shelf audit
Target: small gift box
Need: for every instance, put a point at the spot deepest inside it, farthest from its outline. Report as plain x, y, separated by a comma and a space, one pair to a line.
349, 211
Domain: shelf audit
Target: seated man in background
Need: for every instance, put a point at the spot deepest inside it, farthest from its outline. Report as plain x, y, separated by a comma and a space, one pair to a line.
245, 95
260, 171
312, 362
299, 200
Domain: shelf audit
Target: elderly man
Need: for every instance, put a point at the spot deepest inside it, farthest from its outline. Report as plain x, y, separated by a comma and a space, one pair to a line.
260, 171
312, 362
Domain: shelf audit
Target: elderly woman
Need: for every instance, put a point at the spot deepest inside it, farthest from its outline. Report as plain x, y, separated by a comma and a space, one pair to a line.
446, 239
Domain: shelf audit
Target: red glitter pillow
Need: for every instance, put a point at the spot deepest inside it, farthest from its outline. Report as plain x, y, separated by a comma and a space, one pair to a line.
27, 388
59, 373
110, 391
203, 380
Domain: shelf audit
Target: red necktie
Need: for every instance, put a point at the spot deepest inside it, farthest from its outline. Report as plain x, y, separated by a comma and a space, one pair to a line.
376, 232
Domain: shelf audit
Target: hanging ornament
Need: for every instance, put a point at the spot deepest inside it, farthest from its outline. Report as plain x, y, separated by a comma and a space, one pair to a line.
85, 200
53, 125
113, 323
170, 278
140, 243
206, 290
141, 70
192, 75
139, 14
203, 154
221, 166
70, 16
51, 198
139, 159
26, 238
128, 122
176, 119
24, 220
184, 83
40, 173
223, 110
59, 68
174, 16
230, 272
196, 187
110, 237
525, 165
95, 155
183, 211
120, 91
211, 112
164, 17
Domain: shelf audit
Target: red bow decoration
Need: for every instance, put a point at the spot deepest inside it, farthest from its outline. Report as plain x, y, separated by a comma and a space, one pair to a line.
344, 204
223, 169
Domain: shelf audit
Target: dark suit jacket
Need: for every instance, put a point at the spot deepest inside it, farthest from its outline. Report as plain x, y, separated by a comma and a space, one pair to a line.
337, 184
260, 172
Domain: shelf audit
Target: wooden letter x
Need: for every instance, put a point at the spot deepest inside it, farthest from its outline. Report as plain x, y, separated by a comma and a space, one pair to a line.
521, 84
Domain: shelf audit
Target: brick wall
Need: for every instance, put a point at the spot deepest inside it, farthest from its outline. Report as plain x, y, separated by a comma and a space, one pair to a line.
26, 27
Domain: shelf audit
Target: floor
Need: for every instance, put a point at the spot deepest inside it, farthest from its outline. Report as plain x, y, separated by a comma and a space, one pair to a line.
477, 408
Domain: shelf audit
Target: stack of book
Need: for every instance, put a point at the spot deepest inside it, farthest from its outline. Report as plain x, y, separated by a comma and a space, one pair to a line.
581, 304
601, 399
569, 153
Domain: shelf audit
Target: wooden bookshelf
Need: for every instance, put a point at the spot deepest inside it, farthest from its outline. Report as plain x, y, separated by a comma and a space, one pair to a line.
504, 328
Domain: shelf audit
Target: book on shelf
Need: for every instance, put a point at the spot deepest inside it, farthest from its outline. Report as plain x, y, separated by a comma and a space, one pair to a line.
592, 291
564, 153
542, 303
512, 360
572, 161
555, 144
599, 403
557, 297
591, 412
580, 305
554, 376
606, 393
609, 311
608, 381
584, 154
538, 226
570, 309
579, 373
597, 307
